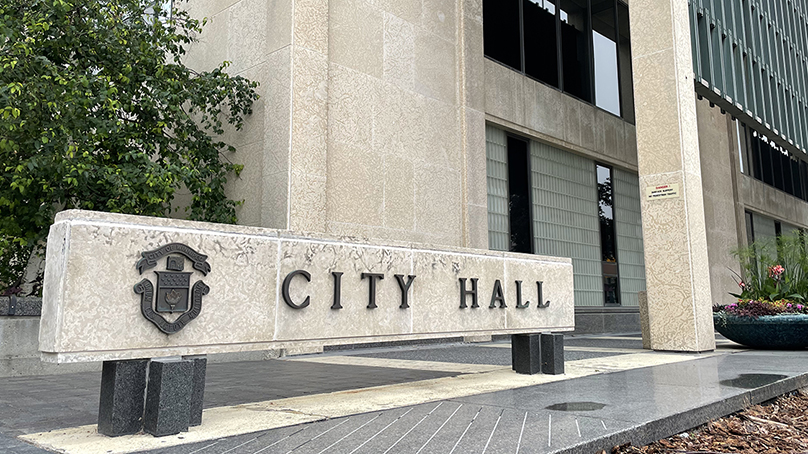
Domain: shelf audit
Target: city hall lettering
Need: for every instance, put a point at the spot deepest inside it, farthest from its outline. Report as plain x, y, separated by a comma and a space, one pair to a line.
468, 291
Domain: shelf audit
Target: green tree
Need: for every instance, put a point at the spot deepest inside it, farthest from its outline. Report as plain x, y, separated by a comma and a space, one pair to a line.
97, 111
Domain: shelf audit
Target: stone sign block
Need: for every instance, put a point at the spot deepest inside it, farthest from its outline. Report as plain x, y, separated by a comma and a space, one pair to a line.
227, 288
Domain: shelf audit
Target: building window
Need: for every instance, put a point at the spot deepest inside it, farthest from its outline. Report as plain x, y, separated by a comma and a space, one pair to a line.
547, 201
541, 40
519, 196
770, 163
604, 47
582, 47
608, 239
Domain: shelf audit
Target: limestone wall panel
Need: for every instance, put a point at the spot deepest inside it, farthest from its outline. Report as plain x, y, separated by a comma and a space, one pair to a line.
91, 311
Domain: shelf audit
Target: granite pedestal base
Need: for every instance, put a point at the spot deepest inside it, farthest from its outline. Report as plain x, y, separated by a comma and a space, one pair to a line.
168, 399
534, 353
526, 353
167, 403
123, 384
200, 364
552, 354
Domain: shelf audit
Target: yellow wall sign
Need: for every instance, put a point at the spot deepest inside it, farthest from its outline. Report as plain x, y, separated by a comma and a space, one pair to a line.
663, 191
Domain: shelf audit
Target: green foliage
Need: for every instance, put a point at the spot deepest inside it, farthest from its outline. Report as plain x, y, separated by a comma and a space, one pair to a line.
774, 269
98, 112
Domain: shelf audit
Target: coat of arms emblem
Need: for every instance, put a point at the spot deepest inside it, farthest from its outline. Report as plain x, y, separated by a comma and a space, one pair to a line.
175, 295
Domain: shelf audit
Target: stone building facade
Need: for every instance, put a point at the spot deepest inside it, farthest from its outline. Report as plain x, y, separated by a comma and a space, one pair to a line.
537, 126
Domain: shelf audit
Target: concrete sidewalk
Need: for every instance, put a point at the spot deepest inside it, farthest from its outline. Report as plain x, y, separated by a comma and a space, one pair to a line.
459, 398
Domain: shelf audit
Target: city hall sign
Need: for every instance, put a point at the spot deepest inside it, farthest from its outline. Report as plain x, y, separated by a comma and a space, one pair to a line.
124, 287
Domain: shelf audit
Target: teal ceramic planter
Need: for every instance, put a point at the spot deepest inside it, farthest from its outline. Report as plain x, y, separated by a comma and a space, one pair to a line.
767, 332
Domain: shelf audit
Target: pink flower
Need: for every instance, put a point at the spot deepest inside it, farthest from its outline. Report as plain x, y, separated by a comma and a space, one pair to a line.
776, 271
741, 284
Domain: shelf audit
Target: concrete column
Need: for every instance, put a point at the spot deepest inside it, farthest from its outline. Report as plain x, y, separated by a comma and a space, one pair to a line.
677, 266
309, 116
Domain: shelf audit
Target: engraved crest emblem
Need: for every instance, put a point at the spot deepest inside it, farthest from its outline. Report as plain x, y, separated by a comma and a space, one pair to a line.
174, 294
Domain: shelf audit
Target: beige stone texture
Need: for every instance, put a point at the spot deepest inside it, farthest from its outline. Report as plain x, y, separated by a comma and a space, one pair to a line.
473, 72
352, 98
91, 313
718, 168
355, 185
409, 11
557, 289
438, 202
475, 165
674, 230
249, 181
356, 35
96, 308
279, 24
307, 202
309, 112
310, 29
441, 145
319, 320
435, 69
247, 34
478, 226
399, 51
399, 193
440, 17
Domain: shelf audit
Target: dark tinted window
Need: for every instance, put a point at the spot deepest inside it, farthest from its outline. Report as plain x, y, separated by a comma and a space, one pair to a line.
501, 32
519, 197
575, 48
541, 43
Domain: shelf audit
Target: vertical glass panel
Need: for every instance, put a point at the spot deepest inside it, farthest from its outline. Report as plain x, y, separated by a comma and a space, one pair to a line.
565, 216
777, 167
754, 146
796, 178
785, 163
575, 48
628, 228
501, 32
519, 199
804, 179
541, 42
740, 130
750, 231
496, 152
604, 50
626, 81
606, 214
704, 48
766, 160
608, 242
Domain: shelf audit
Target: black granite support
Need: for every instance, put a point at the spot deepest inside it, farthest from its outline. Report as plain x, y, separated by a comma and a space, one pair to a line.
168, 400
526, 353
200, 364
552, 353
123, 385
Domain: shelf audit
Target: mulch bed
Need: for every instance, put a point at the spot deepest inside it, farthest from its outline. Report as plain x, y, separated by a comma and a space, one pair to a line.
780, 426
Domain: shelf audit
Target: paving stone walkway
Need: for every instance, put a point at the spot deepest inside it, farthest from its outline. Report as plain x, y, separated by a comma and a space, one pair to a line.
644, 395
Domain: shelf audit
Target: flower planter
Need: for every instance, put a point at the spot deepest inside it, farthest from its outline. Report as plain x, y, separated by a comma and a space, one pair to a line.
767, 332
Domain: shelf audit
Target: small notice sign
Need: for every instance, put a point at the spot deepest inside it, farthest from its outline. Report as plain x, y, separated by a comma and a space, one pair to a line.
663, 191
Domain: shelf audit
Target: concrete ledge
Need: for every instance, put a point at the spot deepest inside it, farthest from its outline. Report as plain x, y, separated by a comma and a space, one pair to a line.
662, 428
